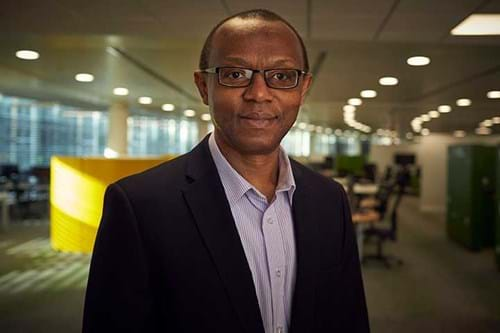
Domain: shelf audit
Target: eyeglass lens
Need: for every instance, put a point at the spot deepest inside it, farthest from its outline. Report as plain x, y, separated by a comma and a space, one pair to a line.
275, 78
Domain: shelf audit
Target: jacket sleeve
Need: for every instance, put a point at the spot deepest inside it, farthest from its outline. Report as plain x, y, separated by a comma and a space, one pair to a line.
356, 313
118, 294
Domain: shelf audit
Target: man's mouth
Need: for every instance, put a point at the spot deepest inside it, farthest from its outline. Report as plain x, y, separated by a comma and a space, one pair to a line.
258, 120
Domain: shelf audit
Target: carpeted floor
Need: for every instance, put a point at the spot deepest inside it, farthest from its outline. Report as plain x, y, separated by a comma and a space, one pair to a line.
440, 288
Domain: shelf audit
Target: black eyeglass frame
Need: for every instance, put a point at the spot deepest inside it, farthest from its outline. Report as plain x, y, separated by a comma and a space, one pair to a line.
216, 70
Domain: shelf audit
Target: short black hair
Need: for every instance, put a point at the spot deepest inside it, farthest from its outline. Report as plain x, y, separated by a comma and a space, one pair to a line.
263, 14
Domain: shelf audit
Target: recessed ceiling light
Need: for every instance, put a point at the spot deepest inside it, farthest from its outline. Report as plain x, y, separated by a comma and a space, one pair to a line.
409, 136
418, 61
349, 108
168, 107
120, 91
487, 123
355, 101
302, 125
349, 118
206, 117
464, 102
338, 132
495, 120
368, 93
145, 100
483, 131
319, 129
27, 54
328, 130
493, 94
459, 134
311, 127
388, 81
444, 108
477, 25
425, 117
84, 77
425, 131
189, 113
433, 114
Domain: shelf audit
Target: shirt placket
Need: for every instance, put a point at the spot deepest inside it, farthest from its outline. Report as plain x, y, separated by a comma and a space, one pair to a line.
276, 260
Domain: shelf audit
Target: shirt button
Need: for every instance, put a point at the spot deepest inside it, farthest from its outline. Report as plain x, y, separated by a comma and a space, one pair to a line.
270, 220
278, 273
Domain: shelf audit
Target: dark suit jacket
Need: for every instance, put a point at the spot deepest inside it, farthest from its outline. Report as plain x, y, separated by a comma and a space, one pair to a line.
168, 257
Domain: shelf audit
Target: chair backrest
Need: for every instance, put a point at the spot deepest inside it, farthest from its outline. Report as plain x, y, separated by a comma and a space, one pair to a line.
397, 196
383, 195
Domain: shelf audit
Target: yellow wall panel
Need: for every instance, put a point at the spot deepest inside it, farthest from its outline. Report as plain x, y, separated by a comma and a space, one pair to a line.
77, 189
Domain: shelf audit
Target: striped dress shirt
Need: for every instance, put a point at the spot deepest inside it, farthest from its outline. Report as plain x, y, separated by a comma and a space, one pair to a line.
266, 233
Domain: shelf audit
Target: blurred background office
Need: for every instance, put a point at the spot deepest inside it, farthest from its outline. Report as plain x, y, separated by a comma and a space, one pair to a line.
404, 111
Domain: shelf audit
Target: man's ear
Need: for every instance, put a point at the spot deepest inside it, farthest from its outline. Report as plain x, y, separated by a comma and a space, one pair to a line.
306, 84
201, 83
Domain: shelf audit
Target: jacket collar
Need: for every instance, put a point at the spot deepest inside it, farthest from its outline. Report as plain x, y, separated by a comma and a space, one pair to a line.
208, 203
206, 198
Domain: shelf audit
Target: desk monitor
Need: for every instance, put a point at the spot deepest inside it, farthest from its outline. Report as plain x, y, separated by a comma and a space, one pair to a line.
404, 159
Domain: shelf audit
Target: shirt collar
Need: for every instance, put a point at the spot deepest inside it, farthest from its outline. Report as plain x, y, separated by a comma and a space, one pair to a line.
236, 186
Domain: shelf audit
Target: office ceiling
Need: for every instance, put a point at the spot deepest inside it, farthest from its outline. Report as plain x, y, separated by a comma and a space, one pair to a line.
352, 43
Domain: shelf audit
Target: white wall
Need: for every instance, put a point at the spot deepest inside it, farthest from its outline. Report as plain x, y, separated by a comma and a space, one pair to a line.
383, 156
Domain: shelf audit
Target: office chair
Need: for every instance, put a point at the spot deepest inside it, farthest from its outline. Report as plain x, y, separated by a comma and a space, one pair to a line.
385, 233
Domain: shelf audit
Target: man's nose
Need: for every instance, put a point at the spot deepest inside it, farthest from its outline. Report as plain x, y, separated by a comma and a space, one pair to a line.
258, 90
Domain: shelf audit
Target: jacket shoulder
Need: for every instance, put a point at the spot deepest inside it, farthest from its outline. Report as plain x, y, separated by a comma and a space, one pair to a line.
167, 175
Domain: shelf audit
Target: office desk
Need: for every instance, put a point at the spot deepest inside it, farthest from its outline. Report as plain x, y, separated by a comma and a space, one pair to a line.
361, 220
365, 189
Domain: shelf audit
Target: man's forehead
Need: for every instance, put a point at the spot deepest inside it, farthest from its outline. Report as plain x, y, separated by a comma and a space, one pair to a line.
253, 27
238, 32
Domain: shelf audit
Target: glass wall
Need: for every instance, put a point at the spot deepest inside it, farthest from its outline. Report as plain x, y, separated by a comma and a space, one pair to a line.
149, 135
304, 143
31, 132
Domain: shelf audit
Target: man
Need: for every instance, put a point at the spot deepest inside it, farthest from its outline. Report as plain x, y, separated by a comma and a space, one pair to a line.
233, 236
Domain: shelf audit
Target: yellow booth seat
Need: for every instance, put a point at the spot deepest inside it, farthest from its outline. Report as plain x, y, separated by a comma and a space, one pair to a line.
77, 187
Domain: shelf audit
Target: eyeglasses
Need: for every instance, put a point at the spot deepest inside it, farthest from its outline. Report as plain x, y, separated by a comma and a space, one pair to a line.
242, 77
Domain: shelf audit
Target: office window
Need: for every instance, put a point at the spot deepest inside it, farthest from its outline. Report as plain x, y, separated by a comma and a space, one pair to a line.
149, 135
349, 145
297, 143
31, 132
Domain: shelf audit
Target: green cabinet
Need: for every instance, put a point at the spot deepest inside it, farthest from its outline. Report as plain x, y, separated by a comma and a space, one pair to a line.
470, 214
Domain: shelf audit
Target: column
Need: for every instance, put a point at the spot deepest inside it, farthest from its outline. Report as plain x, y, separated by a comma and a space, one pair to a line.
117, 130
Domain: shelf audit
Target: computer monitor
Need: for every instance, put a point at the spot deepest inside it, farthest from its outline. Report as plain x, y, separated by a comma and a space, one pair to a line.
404, 159
7, 170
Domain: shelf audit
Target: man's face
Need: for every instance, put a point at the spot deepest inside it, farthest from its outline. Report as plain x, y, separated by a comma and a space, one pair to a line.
253, 119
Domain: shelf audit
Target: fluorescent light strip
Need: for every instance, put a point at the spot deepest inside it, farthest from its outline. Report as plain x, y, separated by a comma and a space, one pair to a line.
478, 25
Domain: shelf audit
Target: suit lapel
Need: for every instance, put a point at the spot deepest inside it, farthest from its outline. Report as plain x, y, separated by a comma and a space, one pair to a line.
306, 240
208, 203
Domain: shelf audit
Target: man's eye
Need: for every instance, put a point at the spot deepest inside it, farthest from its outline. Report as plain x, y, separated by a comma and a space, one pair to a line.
235, 75
280, 76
